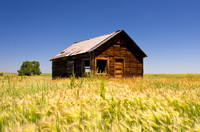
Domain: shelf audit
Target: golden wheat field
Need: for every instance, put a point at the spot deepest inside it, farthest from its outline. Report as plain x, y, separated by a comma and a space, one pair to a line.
151, 103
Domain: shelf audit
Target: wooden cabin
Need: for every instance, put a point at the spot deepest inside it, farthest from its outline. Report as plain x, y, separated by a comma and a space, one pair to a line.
114, 54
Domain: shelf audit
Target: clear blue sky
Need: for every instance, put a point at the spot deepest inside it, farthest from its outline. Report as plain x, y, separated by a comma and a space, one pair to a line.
168, 31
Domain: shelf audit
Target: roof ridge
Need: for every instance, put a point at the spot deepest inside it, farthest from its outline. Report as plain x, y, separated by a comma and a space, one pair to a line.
109, 37
96, 37
82, 47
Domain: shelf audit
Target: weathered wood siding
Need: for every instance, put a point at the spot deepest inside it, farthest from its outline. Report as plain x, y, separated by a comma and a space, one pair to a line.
121, 49
59, 67
63, 67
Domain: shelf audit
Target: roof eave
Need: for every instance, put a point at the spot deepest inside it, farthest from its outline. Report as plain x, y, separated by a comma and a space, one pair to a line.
68, 56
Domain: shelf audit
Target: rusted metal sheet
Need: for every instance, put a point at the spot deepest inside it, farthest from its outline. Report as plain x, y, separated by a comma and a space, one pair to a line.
85, 45
89, 45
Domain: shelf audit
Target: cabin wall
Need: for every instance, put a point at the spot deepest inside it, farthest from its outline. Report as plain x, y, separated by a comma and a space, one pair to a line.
118, 49
59, 67
79, 66
64, 67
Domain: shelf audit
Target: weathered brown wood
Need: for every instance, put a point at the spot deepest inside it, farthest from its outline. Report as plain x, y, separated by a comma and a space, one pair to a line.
133, 64
123, 59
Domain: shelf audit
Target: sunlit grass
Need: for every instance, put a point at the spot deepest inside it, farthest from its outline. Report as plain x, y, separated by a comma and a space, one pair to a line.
152, 103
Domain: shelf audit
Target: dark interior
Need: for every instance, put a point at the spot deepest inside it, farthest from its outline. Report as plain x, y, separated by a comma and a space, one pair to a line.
101, 65
87, 66
87, 63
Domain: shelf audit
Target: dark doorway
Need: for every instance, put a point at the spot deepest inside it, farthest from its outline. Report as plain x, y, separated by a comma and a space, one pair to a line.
101, 66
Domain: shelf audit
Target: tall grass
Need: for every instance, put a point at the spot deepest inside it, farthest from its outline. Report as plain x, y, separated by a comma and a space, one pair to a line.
152, 103
102, 89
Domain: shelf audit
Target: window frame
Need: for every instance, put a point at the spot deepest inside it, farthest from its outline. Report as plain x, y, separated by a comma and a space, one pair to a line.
107, 64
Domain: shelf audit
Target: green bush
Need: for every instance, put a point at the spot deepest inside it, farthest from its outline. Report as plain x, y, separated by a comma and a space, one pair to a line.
29, 68
1, 73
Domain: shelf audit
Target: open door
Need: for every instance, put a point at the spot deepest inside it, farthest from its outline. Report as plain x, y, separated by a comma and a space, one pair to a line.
119, 68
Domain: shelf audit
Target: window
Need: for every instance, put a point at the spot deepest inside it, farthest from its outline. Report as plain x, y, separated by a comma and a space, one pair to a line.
101, 65
86, 66
70, 66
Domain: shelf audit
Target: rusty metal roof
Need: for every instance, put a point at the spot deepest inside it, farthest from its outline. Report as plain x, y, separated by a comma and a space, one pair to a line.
85, 45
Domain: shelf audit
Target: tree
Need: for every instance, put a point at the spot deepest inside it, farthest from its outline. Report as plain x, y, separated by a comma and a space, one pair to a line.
29, 68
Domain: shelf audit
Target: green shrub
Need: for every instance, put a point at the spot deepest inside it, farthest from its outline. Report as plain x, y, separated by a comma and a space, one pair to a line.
102, 89
72, 80
29, 68
1, 73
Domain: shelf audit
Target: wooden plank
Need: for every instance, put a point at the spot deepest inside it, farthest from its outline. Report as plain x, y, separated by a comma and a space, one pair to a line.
118, 71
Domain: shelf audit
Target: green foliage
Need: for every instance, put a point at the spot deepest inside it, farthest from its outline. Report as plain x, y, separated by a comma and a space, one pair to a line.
102, 89
72, 82
29, 68
1, 73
